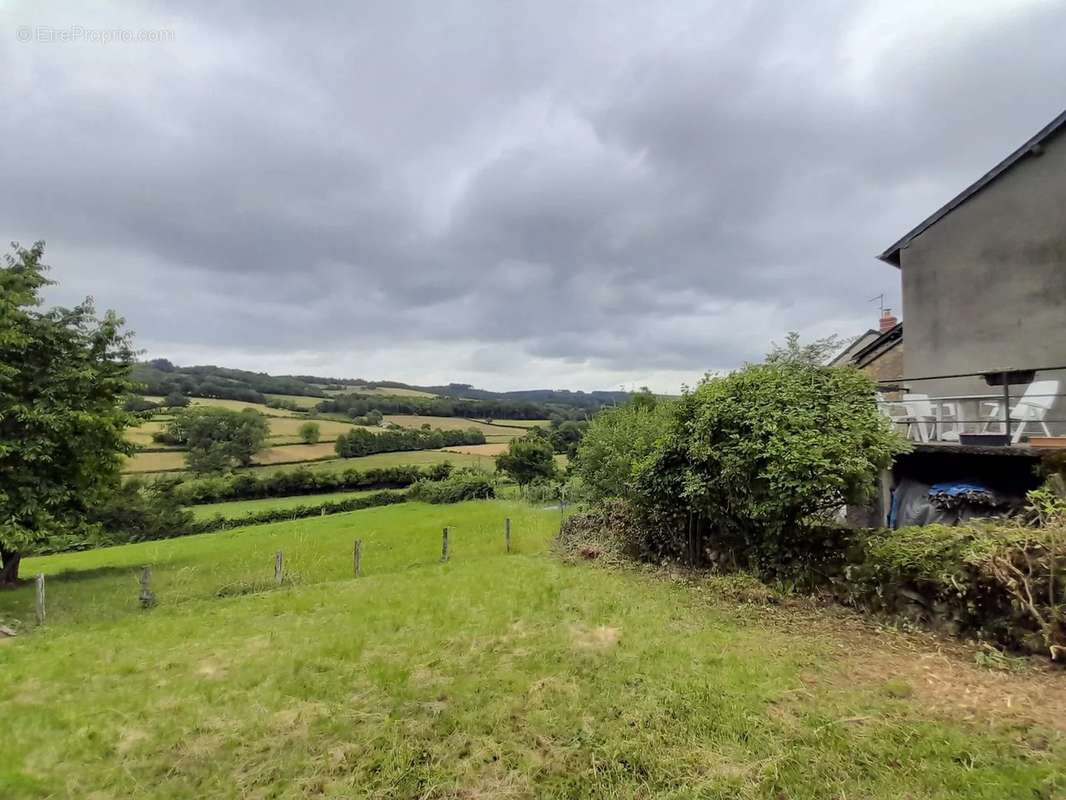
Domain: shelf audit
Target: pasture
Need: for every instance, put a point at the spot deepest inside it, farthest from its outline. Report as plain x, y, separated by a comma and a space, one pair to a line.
240, 405
453, 424
235, 509
303, 402
491, 675
328, 429
492, 449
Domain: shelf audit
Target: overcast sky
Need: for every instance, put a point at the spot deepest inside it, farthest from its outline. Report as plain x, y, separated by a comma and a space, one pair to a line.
515, 195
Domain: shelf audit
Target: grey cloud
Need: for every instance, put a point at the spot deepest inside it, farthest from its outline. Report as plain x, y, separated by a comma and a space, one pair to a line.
609, 191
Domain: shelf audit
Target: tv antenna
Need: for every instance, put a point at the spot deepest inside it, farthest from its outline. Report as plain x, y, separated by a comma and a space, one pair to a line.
880, 298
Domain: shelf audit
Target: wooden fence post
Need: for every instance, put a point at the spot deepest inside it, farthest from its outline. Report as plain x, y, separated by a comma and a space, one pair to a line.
147, 596
279, 567
507, 533
40, 599
357, 557
444, 546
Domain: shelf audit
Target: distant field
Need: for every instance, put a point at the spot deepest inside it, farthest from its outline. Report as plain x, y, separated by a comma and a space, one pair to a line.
523, 423
321, 460
142, 434
302, 401
235, 405
379, 391
239, 508
296, 452
155, 462
493, 449
329, 429
452, 424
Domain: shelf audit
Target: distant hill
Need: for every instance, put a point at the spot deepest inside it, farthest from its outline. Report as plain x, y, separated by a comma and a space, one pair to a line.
355, 396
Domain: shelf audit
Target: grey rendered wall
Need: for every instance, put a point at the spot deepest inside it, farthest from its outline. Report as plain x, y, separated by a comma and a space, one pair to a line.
985, 288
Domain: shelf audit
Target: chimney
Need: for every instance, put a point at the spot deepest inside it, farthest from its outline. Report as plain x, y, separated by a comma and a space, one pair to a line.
888, 322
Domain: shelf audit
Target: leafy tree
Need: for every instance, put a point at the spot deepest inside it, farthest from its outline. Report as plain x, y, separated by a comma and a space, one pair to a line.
616, 441
136, 511
763, 452
812, 354
218, 438
374, 417
310, 432
63, 376
528, 458
566, 436
175, 400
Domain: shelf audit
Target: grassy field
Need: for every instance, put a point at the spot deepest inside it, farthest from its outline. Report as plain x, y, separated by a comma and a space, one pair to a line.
523, 423
490, 676
452, 424
239, 508
171, 461
237, 405
328, 429
492, 449
301, 401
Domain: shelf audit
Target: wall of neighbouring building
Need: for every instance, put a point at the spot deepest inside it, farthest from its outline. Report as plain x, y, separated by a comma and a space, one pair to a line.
985, 287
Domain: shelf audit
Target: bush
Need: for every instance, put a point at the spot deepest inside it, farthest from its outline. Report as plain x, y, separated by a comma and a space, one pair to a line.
528, 459
616, 441
463, 484
764, 454
310, 432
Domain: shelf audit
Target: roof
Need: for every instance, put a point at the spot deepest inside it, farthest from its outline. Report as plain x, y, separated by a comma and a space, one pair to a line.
856, 344
879, 346
1030, 148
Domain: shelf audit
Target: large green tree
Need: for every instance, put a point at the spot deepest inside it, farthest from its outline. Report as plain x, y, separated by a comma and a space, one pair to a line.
528, 458
218, 438
63, 375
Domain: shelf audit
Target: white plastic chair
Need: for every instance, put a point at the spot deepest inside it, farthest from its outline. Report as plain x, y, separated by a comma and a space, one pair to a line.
920, 417
1033, 406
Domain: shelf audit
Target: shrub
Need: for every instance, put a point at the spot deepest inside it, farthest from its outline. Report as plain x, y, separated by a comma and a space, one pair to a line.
463, 484
616, 441
528, 459
761, 455
310, 432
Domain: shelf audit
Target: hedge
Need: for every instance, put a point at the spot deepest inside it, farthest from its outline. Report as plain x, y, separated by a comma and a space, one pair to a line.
249, 486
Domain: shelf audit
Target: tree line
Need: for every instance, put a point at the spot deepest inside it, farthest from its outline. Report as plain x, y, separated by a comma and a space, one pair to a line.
357, 405
362, 442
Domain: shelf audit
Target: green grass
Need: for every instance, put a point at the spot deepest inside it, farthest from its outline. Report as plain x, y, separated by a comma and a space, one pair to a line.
235, 509
301, 401
491, 676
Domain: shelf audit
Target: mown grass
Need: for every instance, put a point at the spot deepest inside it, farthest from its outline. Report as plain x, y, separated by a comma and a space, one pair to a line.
235, 509
492, 675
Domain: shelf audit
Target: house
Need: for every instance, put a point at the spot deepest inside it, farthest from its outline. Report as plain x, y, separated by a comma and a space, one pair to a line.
984, 277
984, 296
877, 353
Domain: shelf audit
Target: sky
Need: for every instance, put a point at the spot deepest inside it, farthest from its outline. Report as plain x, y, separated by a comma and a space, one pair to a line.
580, 195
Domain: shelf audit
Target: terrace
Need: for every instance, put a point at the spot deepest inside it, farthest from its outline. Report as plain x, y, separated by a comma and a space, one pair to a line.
1001, 412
